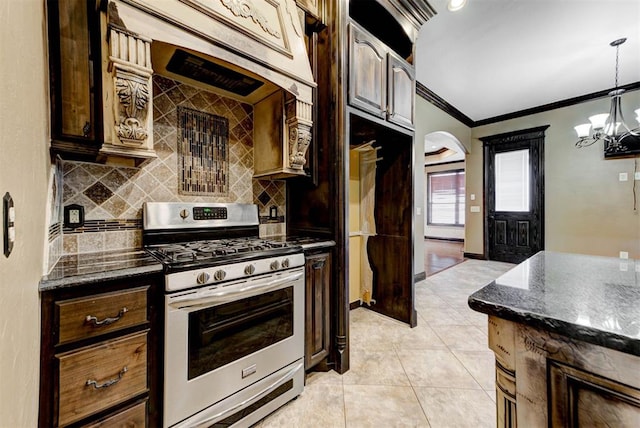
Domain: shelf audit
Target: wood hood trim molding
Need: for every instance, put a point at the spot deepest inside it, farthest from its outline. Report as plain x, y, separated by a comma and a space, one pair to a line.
259, 36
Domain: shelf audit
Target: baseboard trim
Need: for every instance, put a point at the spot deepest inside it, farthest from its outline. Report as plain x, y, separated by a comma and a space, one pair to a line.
435, 238
354, 305
475, 256
419, 276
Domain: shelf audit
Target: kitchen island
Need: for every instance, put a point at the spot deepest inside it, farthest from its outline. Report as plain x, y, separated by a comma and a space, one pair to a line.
565, 330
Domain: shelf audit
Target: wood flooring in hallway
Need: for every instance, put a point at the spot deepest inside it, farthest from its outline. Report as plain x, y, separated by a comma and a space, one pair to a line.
440, 254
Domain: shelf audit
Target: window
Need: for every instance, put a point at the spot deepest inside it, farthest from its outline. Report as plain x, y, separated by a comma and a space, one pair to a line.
512, 181
445, 198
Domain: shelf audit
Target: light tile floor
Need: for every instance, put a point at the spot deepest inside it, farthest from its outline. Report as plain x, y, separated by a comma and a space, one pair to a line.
438, 374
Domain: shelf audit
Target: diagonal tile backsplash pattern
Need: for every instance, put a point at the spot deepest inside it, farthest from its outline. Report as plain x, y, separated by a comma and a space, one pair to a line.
113, 195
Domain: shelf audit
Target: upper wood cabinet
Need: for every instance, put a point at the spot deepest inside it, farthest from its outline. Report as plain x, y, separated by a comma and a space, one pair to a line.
401, 91
367, 72
74, 64
101, 94
380, 81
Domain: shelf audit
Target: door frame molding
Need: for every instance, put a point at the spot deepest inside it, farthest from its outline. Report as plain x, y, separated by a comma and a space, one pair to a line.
538, 135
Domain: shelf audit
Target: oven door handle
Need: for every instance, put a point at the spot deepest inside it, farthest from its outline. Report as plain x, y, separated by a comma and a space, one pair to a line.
218, 296
206, 420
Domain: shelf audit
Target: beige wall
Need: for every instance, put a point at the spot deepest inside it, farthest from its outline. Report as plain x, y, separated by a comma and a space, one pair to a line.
429, 119
587, 210
23, 172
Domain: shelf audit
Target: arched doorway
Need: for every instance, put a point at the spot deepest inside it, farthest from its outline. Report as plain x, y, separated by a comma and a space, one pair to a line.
444, 167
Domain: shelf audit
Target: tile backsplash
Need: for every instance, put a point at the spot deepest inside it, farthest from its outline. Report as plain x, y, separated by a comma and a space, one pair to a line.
112, 196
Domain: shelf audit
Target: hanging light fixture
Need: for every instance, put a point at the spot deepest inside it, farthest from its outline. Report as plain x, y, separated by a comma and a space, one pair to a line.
455, 5
609, 127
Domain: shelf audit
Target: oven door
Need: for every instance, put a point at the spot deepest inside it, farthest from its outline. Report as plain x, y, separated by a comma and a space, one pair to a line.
224, 338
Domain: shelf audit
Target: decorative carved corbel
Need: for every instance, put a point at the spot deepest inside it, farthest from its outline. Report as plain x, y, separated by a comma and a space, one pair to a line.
133, 96
299, 122
129, 127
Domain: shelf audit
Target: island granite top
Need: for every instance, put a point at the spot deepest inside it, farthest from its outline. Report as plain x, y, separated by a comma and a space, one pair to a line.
75, 270
589, 298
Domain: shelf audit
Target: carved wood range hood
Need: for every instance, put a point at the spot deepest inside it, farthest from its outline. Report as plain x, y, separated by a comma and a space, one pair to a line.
249, 50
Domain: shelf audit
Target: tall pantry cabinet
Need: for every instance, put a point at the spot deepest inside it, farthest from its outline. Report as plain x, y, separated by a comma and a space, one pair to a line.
363, 65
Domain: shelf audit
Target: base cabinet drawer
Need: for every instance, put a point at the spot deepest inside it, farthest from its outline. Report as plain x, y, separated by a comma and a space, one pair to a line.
95, 378
133, 417
95, 315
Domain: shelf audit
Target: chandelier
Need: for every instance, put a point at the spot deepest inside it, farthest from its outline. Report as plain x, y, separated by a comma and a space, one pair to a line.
609, 127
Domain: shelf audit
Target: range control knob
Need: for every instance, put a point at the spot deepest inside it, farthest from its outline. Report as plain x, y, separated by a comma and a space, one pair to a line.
249, 269
202, 278
219, 275
274, 265
285, 263
184, 213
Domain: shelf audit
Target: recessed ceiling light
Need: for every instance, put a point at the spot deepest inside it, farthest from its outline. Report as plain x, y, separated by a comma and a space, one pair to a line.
434, 147
454, 5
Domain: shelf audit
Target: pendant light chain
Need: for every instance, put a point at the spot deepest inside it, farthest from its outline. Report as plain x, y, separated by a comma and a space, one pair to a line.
617, 51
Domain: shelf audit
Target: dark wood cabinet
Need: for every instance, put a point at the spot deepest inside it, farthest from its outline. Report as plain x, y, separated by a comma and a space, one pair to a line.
351, 68
317, 311
367, 72
74, 68
99, 354
401, 91
380, 81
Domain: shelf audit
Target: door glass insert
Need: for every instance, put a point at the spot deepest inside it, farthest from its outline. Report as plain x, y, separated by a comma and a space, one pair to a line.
512, 181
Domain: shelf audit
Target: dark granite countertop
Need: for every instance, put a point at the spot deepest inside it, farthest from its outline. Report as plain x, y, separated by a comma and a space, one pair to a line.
89, 268
306, 242
589, 298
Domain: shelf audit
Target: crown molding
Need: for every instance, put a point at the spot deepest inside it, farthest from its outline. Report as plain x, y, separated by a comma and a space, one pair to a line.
439, 102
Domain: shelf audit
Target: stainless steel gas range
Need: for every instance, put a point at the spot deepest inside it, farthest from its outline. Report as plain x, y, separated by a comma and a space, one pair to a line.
234, 314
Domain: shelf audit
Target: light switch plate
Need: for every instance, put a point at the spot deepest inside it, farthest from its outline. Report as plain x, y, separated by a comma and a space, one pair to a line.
623, 176
8, 221
637, 175
475, 209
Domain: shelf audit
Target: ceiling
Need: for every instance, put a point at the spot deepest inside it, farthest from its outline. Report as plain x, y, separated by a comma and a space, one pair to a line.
497, 57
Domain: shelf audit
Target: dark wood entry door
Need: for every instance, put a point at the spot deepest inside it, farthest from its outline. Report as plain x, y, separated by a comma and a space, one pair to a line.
514, 194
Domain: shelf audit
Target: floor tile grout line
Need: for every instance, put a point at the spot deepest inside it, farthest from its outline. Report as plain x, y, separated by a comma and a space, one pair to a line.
426, 417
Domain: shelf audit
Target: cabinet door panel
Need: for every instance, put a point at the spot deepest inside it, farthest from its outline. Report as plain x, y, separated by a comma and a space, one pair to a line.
75, 71
317, 324
402, 87
581, 399
367, 72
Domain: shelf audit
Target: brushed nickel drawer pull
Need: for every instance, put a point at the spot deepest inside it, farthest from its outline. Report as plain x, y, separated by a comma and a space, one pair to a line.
95, 323
108, 383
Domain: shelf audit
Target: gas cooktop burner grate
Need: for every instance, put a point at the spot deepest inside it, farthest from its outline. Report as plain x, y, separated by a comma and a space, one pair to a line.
210, 250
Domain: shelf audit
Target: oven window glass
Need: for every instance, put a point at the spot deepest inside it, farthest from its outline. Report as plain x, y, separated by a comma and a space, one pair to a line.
222, 334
